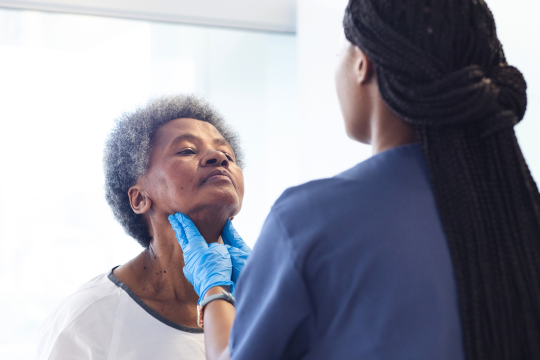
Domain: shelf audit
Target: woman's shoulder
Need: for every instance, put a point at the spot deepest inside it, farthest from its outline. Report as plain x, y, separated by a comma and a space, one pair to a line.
89, 294
102, 320
96, 301
399, 163
394, 171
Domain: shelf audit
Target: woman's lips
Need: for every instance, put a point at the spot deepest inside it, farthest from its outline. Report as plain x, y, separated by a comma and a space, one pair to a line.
218, 175
217, 178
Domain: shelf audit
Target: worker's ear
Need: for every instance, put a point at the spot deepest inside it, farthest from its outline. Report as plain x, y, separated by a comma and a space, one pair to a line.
231, 218
140, 202
364, 69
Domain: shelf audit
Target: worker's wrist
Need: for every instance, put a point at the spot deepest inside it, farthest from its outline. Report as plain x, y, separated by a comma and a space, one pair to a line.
217, 290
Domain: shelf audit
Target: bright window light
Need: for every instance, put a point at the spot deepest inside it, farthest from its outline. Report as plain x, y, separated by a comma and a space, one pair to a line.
64, 78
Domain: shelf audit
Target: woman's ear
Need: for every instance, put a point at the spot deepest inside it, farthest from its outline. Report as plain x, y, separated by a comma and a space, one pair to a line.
140, 203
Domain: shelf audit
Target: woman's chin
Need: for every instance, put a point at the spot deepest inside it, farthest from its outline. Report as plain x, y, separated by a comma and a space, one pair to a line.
223, 196
222, 207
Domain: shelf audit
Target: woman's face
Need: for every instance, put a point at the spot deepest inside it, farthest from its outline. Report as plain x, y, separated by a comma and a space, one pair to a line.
193, 170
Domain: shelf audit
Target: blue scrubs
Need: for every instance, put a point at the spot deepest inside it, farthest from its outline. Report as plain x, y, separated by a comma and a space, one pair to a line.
352, 267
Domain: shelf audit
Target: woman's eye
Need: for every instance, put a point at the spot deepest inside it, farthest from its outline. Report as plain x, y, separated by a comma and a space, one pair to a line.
229, 157
186, 152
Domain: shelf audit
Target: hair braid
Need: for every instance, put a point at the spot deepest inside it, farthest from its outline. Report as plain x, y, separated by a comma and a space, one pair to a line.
441, 67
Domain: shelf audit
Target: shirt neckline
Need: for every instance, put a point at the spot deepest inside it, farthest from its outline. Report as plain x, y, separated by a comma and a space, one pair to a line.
148, 309
400, 148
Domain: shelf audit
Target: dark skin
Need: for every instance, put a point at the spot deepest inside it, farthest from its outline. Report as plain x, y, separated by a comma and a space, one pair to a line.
184, 154
367, 117
367, 120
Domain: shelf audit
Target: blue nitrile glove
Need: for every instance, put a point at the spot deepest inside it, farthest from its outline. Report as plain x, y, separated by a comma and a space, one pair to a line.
206, 265
237, 248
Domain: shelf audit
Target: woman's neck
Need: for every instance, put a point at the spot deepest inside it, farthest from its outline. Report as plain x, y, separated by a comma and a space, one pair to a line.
157, 273
209, 223
156, 277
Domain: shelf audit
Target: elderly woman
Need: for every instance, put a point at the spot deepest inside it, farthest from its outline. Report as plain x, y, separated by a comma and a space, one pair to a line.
176, 154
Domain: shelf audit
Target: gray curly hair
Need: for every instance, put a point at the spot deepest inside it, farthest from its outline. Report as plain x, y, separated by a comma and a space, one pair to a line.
127, 151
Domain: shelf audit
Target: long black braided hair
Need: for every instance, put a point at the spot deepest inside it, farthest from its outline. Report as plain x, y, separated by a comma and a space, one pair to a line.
441, 67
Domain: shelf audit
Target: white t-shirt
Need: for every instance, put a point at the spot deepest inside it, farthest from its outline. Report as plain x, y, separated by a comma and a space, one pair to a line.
105, 320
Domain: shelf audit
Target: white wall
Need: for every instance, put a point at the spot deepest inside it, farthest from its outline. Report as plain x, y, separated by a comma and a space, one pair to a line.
323, 147
266, 15
518, 28
64, 78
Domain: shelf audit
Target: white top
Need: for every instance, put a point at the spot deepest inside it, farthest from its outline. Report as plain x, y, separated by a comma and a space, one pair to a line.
105, 320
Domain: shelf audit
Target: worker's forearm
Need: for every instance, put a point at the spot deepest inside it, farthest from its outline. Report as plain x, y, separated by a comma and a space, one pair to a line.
218, 321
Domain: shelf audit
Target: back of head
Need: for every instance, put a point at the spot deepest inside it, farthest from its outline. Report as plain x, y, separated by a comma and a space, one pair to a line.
441, 67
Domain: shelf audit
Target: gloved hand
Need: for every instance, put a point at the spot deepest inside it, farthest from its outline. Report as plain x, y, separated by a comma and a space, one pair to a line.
206, 265
238, 249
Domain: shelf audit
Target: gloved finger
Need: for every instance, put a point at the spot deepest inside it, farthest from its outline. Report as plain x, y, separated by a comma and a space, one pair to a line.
219, 248
215, 258
238, 259
231, 237
179, 230
235, 251
193, 235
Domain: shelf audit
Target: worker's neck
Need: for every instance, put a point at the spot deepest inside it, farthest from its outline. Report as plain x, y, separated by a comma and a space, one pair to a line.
389, 130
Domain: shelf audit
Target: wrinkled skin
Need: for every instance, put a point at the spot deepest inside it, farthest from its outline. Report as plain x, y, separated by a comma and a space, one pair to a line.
185, 153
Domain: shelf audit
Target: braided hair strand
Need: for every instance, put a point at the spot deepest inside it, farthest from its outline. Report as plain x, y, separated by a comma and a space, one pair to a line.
441, 67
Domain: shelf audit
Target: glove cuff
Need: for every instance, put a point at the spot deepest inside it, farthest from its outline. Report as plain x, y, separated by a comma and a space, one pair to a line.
217, 283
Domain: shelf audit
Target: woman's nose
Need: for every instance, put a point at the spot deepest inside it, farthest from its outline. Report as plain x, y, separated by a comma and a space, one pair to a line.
216, 158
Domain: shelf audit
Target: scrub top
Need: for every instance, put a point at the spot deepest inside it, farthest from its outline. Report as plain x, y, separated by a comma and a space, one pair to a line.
352, 267
105, 320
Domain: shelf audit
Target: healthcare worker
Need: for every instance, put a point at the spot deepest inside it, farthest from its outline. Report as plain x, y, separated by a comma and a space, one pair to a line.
430, 249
